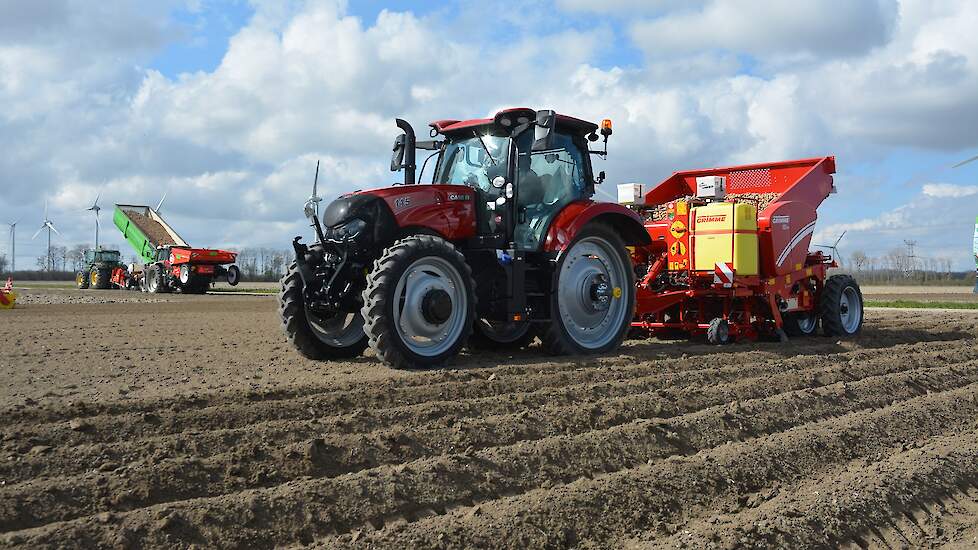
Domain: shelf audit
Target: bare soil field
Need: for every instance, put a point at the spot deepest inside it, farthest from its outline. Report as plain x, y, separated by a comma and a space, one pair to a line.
921, 293
190, 422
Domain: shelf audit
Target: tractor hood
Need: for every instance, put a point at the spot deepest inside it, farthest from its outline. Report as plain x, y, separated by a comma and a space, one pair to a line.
447, 210
347, 207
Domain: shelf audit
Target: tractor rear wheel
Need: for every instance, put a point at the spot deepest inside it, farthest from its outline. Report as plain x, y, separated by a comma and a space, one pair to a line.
490, 335
841, 306
593, 301
81, 279
314, 336
156, 283
100, 278
419, 304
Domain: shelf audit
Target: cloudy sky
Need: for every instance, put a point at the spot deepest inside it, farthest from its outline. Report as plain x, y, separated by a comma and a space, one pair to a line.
228, 105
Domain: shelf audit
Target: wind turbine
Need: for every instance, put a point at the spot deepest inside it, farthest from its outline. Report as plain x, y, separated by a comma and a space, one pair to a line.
13, 245
49, 225
96, 208
834, 247
160, 204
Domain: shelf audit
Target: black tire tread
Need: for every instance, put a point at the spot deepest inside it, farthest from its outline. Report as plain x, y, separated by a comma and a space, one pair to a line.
100, 279
829, 305
296, 326
381, 280
713, 332
84, 282
551, 334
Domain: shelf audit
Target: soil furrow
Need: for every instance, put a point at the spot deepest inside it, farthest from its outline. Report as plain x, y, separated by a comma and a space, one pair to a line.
240, 414
416, 487
855, 504
151, 481
264, 442
599, 512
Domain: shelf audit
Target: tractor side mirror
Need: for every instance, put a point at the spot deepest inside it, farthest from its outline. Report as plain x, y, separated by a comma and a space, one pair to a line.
397, 158
543, 131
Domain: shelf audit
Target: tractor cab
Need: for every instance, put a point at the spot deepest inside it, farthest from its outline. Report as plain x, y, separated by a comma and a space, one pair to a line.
524, 167
106, 257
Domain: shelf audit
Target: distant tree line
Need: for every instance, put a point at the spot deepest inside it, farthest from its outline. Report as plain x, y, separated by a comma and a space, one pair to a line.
898, 266
263, 264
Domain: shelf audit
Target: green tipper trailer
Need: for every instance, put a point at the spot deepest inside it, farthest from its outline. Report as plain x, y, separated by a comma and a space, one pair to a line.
145, 244
169, 263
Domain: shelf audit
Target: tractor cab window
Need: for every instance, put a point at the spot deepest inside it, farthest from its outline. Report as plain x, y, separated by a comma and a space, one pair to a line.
109, 256
548, 181
473, 161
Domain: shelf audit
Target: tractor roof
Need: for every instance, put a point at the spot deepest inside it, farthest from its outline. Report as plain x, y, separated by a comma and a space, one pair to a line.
575, 125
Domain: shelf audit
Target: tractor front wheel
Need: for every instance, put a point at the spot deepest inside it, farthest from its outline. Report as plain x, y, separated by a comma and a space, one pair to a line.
841, 306
315, 336
81, 279
593, 300
419, 304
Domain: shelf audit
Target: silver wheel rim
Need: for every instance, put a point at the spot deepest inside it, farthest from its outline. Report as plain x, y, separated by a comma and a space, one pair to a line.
340, 331
421, 277
806, 323
592, 323
850, 309
504, 333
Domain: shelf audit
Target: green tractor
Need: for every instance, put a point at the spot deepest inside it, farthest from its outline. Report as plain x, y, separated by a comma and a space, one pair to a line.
104, 267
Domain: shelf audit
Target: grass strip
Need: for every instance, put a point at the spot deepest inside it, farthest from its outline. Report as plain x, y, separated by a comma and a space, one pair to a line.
916, 304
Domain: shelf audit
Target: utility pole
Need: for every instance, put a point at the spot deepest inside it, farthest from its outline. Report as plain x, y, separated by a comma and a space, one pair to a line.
911, 258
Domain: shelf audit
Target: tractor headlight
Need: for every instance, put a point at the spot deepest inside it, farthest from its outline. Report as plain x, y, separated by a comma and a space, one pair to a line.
350, 229
309, 209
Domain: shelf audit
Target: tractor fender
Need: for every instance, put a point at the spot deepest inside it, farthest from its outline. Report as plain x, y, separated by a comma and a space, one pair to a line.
576, 215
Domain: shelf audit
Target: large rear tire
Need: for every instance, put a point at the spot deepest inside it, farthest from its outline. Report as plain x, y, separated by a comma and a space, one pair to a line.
156, 282
314, 337
100, 278
841, 306
81, 279
419, 304
593, 301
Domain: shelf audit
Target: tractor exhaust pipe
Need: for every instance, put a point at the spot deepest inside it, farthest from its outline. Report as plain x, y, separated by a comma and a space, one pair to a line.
409, 145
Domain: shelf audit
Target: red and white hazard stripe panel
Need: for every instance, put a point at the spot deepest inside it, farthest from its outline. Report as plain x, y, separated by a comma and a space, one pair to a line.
723, 274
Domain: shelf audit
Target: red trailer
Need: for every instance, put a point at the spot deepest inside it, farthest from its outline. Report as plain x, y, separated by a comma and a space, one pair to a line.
730, 255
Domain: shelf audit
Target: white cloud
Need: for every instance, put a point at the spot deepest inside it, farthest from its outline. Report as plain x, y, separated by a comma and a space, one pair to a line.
805, 28
948, 190
306, 81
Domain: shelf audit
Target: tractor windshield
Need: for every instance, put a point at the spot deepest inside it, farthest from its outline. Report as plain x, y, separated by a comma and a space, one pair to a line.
109, 256
473, 161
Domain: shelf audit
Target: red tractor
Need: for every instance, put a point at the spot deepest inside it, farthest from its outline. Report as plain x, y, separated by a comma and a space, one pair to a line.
504, 245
